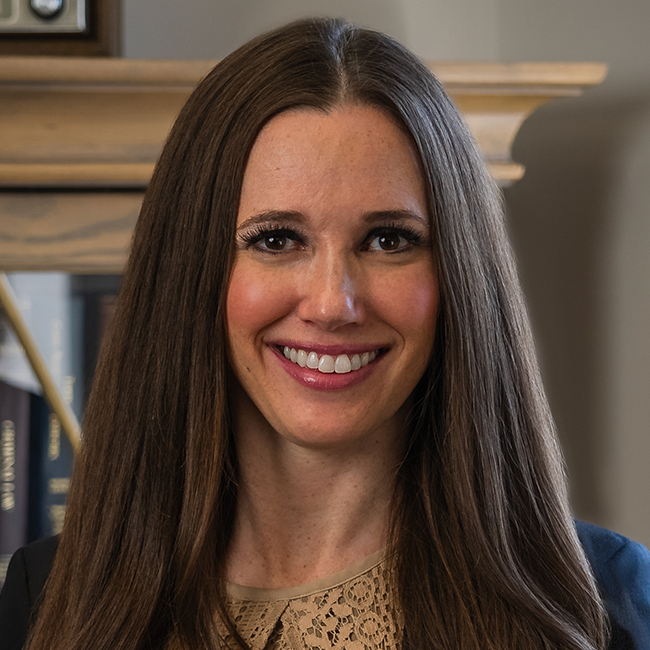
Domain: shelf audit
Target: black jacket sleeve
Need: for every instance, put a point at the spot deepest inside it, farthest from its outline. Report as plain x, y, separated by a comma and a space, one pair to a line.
20, 596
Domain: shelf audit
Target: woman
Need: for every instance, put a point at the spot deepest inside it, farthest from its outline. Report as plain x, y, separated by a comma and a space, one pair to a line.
318, 420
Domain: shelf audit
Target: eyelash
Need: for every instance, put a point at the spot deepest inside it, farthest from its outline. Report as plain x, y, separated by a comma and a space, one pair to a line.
413, 237
257, 234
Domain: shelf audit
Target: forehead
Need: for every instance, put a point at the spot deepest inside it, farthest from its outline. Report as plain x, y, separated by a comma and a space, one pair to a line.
351, 154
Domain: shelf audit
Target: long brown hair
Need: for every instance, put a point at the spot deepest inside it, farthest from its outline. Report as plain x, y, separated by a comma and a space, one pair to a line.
486, 551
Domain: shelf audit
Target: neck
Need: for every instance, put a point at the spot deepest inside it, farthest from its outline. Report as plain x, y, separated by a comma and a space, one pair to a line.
306, 512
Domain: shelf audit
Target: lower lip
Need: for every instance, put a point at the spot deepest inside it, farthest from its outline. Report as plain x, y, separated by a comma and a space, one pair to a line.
325, 381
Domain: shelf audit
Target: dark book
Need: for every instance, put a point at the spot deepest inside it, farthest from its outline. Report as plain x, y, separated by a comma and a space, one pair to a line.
50, 465
93, 303
14, 469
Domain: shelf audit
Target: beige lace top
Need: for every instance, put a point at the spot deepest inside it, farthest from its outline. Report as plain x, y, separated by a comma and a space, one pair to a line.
351, 609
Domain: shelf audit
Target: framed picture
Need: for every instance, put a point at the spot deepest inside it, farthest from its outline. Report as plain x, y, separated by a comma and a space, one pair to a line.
59, 27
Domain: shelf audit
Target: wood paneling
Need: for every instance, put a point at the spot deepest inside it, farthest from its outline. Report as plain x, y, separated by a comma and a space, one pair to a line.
85, 232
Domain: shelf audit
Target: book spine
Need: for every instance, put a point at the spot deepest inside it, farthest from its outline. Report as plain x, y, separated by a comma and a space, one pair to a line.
14, 469
51, 460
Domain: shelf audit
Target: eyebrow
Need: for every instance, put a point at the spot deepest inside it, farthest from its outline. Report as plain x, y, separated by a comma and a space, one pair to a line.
273, 216
296, 217
394, 215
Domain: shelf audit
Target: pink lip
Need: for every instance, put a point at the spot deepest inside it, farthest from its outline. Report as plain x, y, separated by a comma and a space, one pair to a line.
330, 381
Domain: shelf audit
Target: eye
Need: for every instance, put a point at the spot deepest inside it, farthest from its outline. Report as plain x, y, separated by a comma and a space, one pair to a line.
268, 240
275, 242
392, 240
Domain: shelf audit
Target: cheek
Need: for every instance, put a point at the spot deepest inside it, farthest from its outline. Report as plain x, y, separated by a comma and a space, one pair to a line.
422, 302
255, 300
409, 302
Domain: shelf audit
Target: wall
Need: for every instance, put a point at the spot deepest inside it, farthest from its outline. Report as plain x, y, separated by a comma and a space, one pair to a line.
208, 29
579, 219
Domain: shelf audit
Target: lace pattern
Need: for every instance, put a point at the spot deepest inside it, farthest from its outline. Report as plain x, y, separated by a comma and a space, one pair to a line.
356, 614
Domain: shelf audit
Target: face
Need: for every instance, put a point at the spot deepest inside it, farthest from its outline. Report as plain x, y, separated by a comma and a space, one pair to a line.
333, 297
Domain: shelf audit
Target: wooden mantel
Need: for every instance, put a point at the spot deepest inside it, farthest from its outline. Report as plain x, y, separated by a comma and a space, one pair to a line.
85, 133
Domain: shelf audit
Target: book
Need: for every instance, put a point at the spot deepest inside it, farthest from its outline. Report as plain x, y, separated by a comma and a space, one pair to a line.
93, 299
50, 467
14, 472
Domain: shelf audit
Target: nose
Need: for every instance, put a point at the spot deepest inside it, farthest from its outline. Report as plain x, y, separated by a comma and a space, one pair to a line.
330, 296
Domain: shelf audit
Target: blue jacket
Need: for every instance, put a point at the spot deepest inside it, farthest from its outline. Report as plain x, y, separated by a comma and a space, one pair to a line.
621, 568
622, 571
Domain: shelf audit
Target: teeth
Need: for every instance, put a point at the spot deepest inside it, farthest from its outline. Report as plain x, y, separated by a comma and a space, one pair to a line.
342, 364
328, 364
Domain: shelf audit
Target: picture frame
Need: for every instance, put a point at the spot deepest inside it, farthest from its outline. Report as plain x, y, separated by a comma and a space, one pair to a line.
101, 38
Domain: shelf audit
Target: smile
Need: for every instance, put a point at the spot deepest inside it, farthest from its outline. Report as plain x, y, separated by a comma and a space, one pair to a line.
328, 364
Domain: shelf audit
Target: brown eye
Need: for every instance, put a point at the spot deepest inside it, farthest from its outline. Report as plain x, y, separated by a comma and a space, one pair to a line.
388, 242
275, 242
272, 240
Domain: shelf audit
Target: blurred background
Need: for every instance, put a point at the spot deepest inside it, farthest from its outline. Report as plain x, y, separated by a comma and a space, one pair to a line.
579, 219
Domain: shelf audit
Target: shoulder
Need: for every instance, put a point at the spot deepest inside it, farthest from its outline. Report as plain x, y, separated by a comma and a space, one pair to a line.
26, 576
618, 563
622, 571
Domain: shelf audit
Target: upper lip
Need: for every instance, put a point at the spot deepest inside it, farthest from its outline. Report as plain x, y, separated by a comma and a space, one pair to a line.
333, 350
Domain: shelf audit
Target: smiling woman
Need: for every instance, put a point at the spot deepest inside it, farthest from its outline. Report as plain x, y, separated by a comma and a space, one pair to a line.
318, 420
